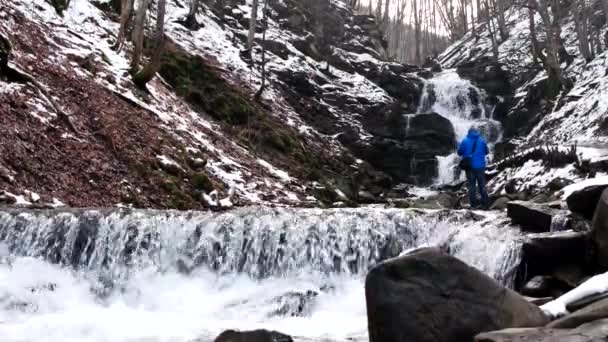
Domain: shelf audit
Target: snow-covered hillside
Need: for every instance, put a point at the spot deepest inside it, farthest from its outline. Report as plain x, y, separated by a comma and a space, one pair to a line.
312, 130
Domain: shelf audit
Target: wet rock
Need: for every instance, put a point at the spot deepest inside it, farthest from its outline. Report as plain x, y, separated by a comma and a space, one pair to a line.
543, 252
559, 183
595, 311
300, 81
260, 335
486, 73
570, 274
6, 199
430, 296
591, 332
295, 304
584, 302
532, 217
599, 233
278, 48
392, 248
539, 301
430, 132
407, 145
585, 201
538, 286
500, 204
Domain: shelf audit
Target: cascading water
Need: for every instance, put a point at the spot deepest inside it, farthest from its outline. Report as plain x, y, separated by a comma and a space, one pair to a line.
127, 276
464, 105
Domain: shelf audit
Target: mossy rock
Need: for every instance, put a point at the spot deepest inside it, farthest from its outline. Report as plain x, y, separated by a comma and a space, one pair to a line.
280, 141
326, 194
200, 86
200, 181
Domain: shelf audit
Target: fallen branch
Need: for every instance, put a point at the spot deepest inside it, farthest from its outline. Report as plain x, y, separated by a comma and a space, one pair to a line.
17, 75
27, 78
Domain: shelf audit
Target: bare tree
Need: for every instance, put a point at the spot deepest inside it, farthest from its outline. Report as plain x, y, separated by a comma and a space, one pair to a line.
191, 17
252, 24
386, 17
258, 94
148, 72
500, 16
553, 33
533, 36
581, 19
417, 31
492, 30
379, 10
126, 9
138, 33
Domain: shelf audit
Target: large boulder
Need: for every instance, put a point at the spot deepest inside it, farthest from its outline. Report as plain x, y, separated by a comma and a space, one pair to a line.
400, 161
429, 296
488, 74
532, 217
260, 335
591, 332
585, 200
599, 233
431, 133
543, 253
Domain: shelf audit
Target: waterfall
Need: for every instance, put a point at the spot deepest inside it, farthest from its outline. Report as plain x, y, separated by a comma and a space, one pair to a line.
464, 105
144, 275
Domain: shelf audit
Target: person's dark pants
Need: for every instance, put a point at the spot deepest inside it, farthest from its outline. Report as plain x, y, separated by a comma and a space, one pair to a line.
475, 179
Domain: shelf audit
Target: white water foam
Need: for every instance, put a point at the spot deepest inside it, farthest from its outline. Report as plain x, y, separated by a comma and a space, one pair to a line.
152, 302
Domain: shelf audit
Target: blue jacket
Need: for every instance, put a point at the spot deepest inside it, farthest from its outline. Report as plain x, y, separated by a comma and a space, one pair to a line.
481, 150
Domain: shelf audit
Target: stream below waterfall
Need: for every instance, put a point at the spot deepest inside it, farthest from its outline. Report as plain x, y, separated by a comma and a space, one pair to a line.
164, 276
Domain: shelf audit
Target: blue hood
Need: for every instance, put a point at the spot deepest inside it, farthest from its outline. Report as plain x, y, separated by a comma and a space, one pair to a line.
473, 134
478, 155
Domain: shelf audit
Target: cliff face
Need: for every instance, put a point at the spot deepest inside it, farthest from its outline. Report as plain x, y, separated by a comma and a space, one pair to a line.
328, 127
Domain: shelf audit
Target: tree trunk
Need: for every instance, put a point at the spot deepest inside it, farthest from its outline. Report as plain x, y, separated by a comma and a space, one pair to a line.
533, 37
500, 17
147, 73
385, 20
258, 94
191, 18
125, 16
579, 12
605, 8
417, 32
492, 31
252, 24
553, 33
138, 33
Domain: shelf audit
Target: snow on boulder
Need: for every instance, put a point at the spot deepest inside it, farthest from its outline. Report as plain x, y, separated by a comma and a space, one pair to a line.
595, 285
595, 311
599, 232
583, 197
590, 332
430, 296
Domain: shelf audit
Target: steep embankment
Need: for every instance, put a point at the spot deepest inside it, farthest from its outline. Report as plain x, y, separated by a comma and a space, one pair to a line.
194, 137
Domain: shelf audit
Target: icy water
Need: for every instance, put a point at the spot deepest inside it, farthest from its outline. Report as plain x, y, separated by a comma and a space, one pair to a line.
134, 276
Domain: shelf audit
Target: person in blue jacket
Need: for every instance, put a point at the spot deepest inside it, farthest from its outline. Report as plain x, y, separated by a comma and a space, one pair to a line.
476, 176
